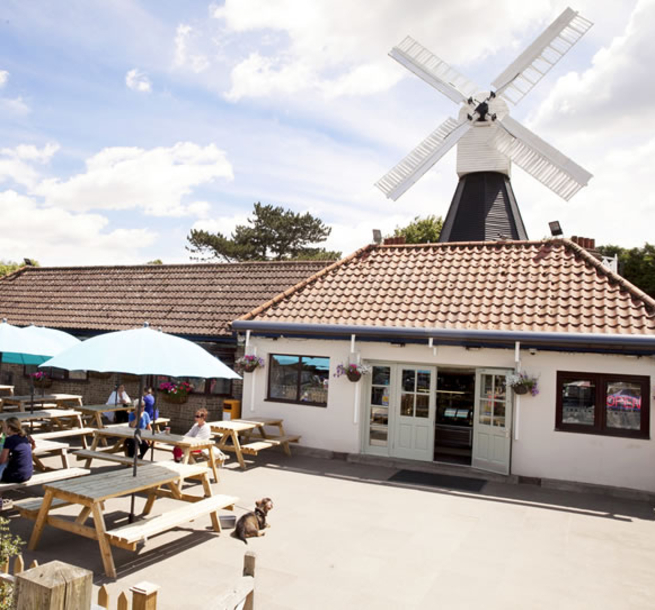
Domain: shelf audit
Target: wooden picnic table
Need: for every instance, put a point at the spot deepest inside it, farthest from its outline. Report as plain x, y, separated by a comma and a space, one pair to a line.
24, 401
255, 436
188, 444
59, 418
7, 390
91, 492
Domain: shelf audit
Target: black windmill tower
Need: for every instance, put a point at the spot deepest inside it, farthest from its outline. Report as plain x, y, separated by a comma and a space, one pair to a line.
488, 139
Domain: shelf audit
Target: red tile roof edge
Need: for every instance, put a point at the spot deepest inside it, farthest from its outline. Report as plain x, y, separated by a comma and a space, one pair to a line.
648, 301
312, 278
163, 266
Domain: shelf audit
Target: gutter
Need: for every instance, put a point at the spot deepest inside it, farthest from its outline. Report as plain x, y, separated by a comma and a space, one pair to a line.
592, 342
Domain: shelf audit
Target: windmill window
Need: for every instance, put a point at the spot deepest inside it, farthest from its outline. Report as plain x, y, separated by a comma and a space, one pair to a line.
298, 379
607, 404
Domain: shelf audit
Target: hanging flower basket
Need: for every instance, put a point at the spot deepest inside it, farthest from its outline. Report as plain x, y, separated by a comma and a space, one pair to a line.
353, 372
41, 380
176, 393
249, 363
522, 383
353, 376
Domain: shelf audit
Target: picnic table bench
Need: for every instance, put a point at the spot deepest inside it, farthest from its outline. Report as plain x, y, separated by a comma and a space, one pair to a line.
46, 477
65, 433
255, 436
47, 447
91, 493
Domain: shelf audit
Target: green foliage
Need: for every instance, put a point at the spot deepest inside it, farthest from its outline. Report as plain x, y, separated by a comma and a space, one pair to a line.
421, 230
157, 261
7, 267
637, 265
272, 233
9, 547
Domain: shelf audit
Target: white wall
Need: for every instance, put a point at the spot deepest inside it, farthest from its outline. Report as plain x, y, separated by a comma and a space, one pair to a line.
540, 451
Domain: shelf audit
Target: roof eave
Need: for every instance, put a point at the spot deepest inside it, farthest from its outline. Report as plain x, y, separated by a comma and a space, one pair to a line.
591, 342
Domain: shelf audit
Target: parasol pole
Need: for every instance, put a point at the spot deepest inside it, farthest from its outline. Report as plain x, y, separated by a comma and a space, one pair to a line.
137, 438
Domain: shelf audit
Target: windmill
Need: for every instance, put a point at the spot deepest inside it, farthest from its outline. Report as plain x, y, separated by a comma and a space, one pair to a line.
488, 139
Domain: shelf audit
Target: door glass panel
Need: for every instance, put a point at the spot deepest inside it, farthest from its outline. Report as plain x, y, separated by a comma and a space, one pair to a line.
623, 405
423, 382
409, 380
422, 405
379, 406
499, 414
485, 412
500, 387
487, 386
381, 375
407, 404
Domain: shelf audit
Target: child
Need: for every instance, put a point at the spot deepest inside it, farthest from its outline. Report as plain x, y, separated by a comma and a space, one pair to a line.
16, 456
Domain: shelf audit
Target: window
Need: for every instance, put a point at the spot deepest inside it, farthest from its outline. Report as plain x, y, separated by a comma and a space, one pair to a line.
215, 387
616, 405
301, 379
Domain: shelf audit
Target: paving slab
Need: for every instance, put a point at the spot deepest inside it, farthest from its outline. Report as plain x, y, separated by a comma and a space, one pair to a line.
343, 536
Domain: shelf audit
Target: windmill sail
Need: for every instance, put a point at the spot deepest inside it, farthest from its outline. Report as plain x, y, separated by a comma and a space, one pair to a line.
434, 71
545, 163
541, 56
422, 158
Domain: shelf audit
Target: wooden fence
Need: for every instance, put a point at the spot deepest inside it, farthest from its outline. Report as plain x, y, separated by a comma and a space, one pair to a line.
61, 586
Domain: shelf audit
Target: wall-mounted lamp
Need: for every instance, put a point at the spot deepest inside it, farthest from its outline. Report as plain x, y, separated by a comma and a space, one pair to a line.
555, 228
377, 236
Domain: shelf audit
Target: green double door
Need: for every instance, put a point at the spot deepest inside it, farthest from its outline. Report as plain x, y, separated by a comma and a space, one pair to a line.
400, 415
400, 411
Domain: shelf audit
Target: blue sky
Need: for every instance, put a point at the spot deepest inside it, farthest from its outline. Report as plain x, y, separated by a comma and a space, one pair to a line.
126, 123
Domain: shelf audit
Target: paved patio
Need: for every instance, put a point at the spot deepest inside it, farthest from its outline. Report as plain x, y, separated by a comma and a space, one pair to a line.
343, 537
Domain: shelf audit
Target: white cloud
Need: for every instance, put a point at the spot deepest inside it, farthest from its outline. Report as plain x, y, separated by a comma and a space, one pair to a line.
15, 163
339, 48
155, 180
4, 77
613, 96
14, 106
198, 62
65, 238
138, 81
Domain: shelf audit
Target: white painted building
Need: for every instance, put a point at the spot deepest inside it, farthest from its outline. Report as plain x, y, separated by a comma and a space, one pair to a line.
441, 327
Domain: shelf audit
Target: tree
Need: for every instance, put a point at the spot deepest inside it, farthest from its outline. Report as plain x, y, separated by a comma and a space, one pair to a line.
272, 233
421, 230
637, 265
7, 267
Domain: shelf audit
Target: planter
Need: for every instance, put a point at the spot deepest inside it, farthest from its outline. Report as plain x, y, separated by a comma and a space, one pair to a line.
177, 399
520, 389
42, 383
354, 375
97, 375
250, 369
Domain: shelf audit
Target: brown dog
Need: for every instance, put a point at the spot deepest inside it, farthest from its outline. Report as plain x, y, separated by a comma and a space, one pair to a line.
254, 523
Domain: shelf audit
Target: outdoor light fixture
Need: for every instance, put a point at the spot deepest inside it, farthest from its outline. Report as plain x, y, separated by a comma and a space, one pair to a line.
555, 228
377, 236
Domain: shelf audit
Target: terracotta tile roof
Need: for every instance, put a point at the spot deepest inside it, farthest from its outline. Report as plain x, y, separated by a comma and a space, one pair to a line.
194, 300
548, 286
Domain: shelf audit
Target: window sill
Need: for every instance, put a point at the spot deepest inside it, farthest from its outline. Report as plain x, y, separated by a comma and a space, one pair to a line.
636, 435
321, 405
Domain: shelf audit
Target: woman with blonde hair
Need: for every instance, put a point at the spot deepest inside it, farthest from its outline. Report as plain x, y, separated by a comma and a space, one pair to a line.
16, 456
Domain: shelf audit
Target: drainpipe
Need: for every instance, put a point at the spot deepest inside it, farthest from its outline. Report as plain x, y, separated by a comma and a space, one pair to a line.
357, 391
252, 377
517, 398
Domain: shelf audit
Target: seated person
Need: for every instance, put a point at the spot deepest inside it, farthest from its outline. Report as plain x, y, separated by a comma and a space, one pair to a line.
117, 397
149, 404
199, 430
16, 456
144, 424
